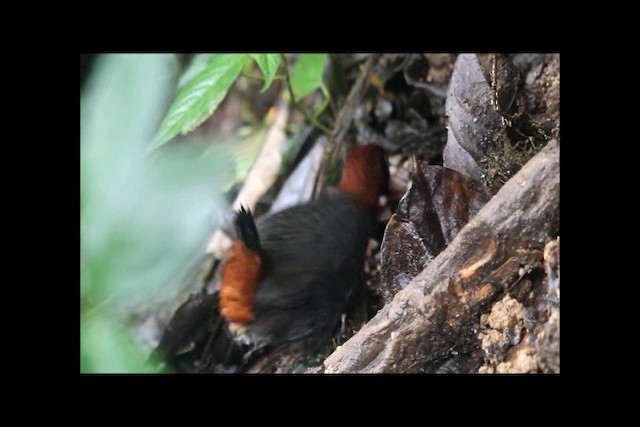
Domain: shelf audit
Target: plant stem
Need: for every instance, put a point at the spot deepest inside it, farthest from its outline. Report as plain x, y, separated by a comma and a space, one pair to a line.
299, 107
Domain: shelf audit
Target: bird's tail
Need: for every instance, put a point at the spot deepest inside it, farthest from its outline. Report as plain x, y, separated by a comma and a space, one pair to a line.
241, 272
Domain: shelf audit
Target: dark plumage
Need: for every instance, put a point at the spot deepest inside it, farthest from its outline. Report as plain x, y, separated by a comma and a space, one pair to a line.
312, 259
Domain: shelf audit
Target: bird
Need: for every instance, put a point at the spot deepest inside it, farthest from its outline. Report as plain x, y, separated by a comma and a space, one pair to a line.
287, 280
290, 274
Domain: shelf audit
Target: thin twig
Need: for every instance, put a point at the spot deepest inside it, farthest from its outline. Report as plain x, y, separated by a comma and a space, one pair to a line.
345, 117
343, 121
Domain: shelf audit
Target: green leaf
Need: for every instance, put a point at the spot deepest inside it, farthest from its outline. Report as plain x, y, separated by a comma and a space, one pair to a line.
141, 219
268, 63
197, 64
122, 103
307, 74
198, 98
105, 348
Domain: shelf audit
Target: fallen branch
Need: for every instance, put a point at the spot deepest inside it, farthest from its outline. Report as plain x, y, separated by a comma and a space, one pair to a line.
441, 307
261, 177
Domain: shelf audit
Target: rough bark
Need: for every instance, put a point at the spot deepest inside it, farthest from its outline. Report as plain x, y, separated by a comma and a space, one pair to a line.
440, 309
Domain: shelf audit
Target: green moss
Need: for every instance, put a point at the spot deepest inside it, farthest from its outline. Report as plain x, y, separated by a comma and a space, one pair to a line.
505, 158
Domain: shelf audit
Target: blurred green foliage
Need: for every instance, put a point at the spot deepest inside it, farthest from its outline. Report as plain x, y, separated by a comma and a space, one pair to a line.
145, 213
142, 217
